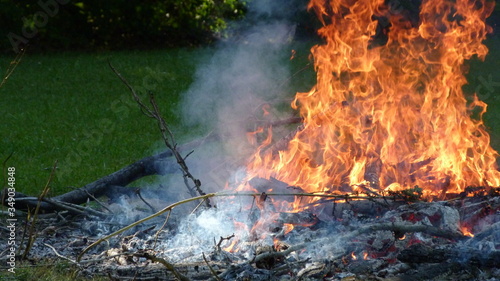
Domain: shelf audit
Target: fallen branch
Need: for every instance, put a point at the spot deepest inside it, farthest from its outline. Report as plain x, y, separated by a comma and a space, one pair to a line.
421, 253
75, 209
406, 228
276, 255
211, 268
138, 192
170, 267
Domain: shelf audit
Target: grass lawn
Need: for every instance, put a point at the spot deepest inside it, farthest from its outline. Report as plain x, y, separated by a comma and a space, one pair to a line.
70, 107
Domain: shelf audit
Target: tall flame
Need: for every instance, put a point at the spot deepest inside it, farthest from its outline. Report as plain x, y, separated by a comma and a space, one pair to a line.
388, 110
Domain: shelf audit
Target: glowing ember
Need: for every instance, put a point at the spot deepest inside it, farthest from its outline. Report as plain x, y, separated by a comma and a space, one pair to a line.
353, 256
287, 227
466, 231
365, 255
388, 110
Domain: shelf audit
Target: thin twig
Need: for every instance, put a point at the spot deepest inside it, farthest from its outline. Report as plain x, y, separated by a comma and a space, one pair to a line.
138, 192
210, 268
61, 256
161, 228
12, 66
222, 240
196, 208
172, 145
45, 191
75, 208
85, 261
98, 202
168, 265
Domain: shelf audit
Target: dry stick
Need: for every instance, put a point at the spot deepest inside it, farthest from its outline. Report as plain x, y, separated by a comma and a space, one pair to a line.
173, 146
161, 228
61, 256
345, 197
278, 254
403, 228
166, 133
31, 235
210, 268
98, 202
168, 265
196, 208
138, 192
222, 240
168, 208
75, 208
12, 67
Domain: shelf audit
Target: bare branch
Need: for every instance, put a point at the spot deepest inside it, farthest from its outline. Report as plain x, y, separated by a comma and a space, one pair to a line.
167, 135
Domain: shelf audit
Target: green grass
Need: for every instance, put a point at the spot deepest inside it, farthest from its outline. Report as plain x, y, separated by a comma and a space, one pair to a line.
71, 108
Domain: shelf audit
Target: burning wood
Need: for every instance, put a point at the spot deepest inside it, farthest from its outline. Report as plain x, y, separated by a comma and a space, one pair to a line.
388, 116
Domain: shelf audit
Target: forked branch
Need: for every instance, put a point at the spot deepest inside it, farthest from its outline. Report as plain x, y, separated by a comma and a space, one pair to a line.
167, 135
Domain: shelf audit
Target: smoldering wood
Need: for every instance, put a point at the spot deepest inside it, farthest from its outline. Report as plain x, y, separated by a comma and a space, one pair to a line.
473, 208
420, 253
489, 231
275, 263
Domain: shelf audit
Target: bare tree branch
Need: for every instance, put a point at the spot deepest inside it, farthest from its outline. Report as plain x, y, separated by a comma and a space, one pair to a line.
167, 135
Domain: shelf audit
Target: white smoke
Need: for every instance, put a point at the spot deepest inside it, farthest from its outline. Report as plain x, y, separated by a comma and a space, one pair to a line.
244, 73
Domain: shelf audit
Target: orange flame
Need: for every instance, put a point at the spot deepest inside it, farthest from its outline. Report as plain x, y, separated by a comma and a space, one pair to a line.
466, 231
232, 247
287, 227
388, 110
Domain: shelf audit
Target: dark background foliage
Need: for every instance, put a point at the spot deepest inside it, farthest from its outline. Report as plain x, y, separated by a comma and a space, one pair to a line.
118, 24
